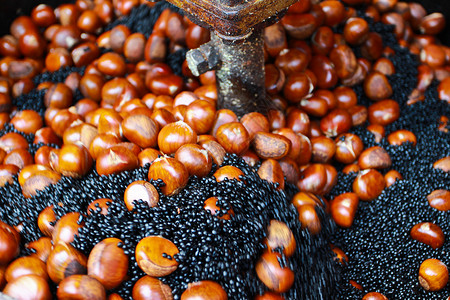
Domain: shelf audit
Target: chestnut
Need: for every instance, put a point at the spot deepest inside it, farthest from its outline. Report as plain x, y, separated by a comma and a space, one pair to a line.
303, 198
81, 287
202, 290
433, 275
195, 159
348, 148
155, 256
276, 277
26, 265
66, 227
140, 190
391, 177
439, 199
174, 135
172, 172
141, 130
210, 205
343, 209
229, 172
280, 236
200, 115
74, 160
374, 296
336, 122
233, 137
369, 184
374, 158
101, 205
323, 149
271, 171
47, 220
64, 261
428, 233
9, 243
148, 287
28, 287
39, 181
116, 159
108, 263
402, 136
41, 248
312, 179
270, 145
442, 164
309, 219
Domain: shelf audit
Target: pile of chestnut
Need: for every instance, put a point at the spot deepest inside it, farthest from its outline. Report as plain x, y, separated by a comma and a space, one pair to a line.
137, 111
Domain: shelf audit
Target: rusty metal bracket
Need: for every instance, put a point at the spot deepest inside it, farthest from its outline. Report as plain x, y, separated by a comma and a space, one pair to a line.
236, 49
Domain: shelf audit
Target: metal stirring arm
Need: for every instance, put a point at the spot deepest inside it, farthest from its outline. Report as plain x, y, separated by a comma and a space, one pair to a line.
236, 49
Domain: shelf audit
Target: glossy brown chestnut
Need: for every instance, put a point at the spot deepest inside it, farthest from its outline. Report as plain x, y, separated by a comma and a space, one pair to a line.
280, 236
336, 122
81, 287
195, 159
368, 184
270, 145
28, 287
199, 115
26, 265
309, 218
172, 172
275, 277
391, 177
108, 263
67, 227
140, 190
348, 148
205, 289
116, 159
384, 112
439, 199
402, 136
155, 256
174, 135
312, 179
233, 137
374, 158
377, 86
428, 233
74, 160
433, 275
229, 172
323, 149
27, 121
141, 130
47, 220
148, 287
210, 205
343, 209
64, 261
374, 296
344, 61
271, 171
9, 243
298, 121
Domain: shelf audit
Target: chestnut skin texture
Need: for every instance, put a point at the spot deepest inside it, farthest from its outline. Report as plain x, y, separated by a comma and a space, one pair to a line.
204, 290
108, 263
